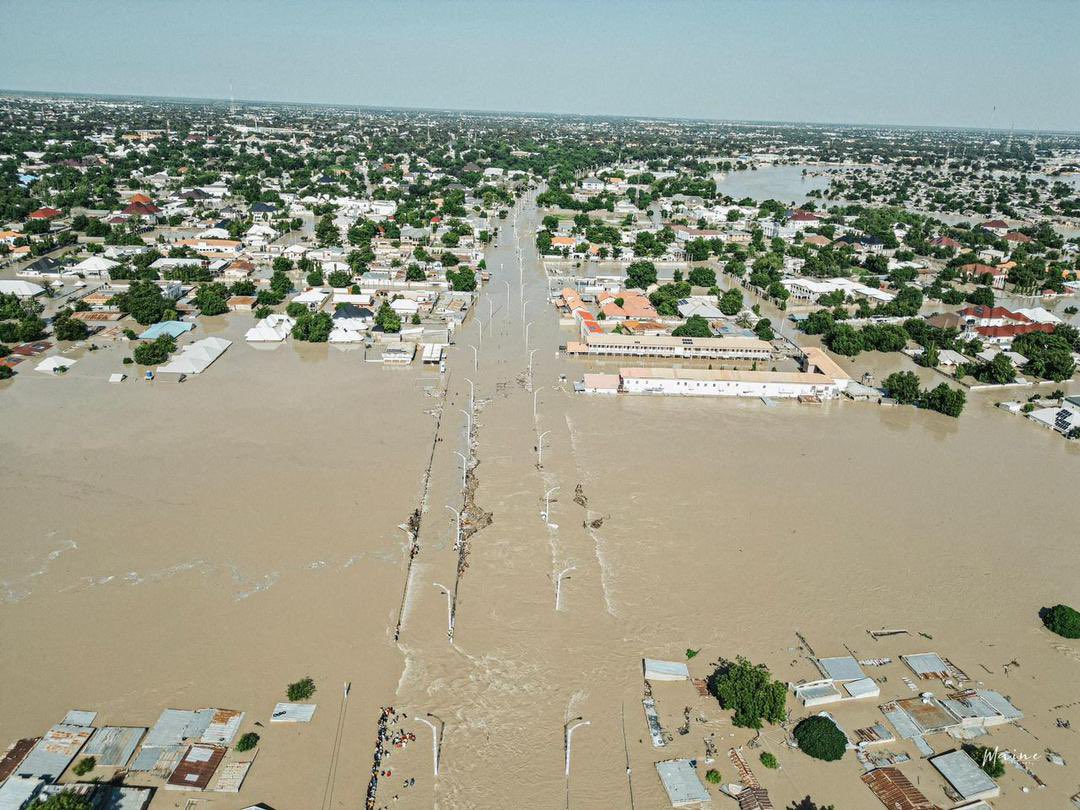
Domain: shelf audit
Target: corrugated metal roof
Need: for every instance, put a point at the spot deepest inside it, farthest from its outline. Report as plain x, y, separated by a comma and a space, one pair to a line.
113, 745
54, 752
161, 760
196, 768
841, 668
76, 717
963, 774
15, 754
17, 791
666, 670
293, 713
231, 777
177, 725
1001, 704
681, 782
927, 665
223, 726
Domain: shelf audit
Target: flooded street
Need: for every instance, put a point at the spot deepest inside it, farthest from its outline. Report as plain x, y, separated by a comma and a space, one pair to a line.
206, 543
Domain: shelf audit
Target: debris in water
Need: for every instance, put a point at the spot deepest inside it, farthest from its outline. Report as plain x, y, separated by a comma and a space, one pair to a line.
579, 497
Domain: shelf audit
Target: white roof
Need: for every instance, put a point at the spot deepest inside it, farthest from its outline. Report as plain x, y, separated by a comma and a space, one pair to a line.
273, 329
293, 713
681, 782
51, 364
23, 289
841, 668
341, 334
196, 357
314, 296
666, 670
95, 264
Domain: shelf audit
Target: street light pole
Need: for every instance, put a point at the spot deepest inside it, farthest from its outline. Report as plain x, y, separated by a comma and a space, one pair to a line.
558, 584
475, 358
436, 738
468, 428
540, 449
569, 729
464, 467
449, 611
457, 532
547, 504
480, 323
528, 326
507, 283
472, 398
535, 390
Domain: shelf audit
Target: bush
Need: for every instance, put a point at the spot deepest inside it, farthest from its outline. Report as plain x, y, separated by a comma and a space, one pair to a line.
986, 758
247, 742
6, 373
301, 690
64, 801
819, 737
1061, 619
769, 761
712, 776
749, 691
84, 766
154, 352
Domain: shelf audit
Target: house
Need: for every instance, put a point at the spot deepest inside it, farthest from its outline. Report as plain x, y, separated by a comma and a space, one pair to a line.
313, 299
241, 303
1017, 238
592, 185
271, 329
945, 242
997, 227
350, 316
20, 289
95, 266
45, 213
975, 271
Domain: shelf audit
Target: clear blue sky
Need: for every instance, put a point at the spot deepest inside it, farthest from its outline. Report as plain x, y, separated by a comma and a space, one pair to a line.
933, 62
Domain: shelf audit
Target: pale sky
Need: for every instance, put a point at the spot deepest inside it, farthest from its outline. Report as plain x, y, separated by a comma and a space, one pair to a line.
976, 63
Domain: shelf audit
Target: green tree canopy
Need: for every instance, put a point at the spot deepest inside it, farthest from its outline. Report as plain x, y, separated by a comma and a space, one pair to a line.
819, 737
750, 691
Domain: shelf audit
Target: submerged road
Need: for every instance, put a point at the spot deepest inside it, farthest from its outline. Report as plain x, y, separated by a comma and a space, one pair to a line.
513, 678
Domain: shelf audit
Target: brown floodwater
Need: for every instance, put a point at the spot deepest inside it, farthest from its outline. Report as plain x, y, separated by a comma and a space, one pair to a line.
206, 543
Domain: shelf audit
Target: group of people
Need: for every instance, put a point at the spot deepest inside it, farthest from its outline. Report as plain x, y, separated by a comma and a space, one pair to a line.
398, 739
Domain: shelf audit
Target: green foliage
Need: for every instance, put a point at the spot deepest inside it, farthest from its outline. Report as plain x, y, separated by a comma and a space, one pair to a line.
247, 742
143, 301
702, 277
387, 319
327, 232
695, 326
339, 279
154, 352
769, 761
6, 373
943, 399
640, 275
1049, 354
301, 690
989, 759
212, 299
844, 339
903, 386
415, 272
313, 327
1061, 619
819, 737
64, 801
763, 329
84, 766
749, 691
67, 328
691, 653
463, 280
712, 776
731, 302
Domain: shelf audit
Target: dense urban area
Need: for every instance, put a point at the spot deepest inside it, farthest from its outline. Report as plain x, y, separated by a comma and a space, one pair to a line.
663, 455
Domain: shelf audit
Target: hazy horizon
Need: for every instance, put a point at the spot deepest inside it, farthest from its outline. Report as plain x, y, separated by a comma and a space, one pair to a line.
849, 62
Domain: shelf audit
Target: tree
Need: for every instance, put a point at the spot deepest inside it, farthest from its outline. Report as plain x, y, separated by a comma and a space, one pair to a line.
712, 776
844, 339
769, 761
67, 328
387, 319
943, 399
301, 690
695, 326
819, 737
212, 299
339, 279
748, 690
247, 742
154, 352
903, 386
464, 280
702, 277
730, 302
1061, 619
640, 275
327, 232
415, 272
84, 766
313, 327
64, 801
143, 301
986, 758
981, 296
315, 278
998, 371
763, 329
